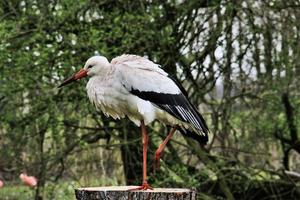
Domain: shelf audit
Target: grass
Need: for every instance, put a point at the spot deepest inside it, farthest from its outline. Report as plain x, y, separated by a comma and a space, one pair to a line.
16, 192
62, 190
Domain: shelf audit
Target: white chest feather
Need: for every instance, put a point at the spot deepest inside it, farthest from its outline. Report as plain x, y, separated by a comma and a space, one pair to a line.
109, 96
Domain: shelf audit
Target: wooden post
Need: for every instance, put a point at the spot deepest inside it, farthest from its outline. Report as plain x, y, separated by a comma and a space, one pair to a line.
124, 193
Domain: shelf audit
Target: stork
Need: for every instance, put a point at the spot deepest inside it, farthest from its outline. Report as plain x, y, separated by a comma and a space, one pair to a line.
138, 88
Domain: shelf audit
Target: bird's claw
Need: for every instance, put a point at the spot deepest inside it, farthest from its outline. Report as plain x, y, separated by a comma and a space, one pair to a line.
144, 186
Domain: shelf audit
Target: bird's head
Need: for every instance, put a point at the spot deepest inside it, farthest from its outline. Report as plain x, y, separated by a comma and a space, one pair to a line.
93, 66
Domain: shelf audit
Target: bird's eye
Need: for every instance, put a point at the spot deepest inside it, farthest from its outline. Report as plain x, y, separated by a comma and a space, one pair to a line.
90, 66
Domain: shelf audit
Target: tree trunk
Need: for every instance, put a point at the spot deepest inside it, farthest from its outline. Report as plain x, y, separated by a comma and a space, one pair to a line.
124, 193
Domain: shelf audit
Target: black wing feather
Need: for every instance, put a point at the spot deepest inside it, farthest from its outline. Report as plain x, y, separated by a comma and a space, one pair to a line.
200, 138
176, 105
185, 93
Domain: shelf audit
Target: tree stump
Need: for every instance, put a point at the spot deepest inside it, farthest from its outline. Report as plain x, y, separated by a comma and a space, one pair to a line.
124, 193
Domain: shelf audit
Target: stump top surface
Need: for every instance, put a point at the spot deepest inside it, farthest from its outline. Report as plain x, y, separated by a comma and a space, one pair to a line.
126, 188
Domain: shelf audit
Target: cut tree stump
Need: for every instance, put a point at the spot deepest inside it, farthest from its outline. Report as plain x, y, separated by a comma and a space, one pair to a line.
124, 193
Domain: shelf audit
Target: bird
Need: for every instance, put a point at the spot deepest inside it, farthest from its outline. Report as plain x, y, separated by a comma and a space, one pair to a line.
30, 181
135, 87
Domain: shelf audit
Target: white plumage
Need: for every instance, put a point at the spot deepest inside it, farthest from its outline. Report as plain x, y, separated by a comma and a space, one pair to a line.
110, 86
109, 91
138, 88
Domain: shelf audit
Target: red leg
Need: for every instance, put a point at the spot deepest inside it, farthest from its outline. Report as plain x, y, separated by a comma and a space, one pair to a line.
145, 139
162, 146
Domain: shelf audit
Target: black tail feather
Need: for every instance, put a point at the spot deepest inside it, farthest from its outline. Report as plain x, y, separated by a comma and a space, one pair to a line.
202, 139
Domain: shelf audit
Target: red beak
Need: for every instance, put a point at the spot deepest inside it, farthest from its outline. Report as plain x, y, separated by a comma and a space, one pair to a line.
79, 75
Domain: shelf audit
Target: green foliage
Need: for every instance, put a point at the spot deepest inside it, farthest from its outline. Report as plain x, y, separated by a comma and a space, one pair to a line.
239, 60
12, 192
15, 192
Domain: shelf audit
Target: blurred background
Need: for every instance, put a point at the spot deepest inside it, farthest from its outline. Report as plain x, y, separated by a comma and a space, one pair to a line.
239, 60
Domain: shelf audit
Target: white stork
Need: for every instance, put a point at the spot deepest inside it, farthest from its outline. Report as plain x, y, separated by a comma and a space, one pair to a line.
138, 88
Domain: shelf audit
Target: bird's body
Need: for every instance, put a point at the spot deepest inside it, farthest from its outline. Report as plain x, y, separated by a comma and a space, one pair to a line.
138, 88
110, 95
115, 101
119, 92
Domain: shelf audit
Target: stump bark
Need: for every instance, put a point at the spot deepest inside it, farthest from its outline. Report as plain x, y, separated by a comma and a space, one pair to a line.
124, 193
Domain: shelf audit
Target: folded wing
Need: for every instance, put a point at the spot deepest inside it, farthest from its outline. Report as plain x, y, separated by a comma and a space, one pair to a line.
148, 81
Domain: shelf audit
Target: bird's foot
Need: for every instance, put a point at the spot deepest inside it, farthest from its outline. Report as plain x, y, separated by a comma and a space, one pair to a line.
144, 186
